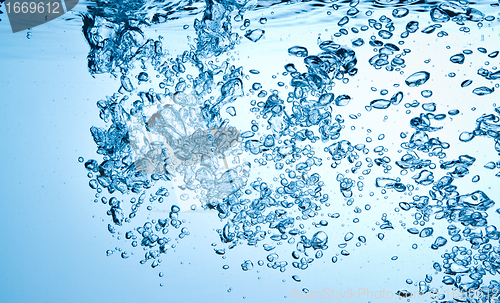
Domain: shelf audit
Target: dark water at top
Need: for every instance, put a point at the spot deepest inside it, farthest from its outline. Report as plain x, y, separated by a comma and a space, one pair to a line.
318, 132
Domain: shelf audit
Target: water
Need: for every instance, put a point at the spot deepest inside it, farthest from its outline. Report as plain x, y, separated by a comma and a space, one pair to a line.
286, 131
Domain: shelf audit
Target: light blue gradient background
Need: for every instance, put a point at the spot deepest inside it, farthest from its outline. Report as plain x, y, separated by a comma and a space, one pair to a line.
54, 237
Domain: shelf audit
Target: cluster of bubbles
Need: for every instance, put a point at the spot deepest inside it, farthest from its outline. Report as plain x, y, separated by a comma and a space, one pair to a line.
176, 131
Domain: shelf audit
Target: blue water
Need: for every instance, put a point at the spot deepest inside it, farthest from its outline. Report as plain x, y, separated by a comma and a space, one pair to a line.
252, 151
